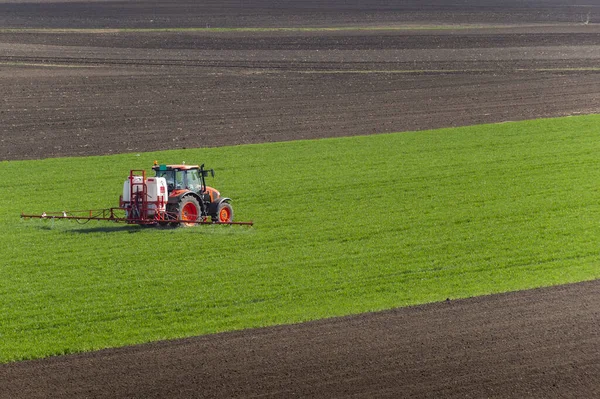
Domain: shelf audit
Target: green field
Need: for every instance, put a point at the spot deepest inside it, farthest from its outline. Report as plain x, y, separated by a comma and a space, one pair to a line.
342, 226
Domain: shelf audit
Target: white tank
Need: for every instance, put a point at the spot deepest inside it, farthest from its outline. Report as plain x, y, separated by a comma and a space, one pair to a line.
156, 190
157, 193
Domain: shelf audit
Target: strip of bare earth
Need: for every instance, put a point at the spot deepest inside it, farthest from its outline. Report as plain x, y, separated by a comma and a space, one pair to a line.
276, 29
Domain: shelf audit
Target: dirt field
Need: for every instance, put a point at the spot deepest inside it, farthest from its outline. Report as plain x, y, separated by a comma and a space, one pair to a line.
99, 92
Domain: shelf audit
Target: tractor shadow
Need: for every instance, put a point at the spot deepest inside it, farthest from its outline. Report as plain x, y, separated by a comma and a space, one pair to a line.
119, 228
94, 230
116, 229
132, 229
97, 230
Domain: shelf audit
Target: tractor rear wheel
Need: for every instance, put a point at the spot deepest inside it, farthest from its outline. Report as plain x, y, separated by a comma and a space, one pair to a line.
189, 211
224, 213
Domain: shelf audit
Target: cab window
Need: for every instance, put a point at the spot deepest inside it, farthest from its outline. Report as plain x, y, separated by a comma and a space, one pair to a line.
193, 180
169, 176
179, 180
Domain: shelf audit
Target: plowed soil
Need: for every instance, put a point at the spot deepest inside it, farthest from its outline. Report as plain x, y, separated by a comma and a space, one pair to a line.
101, 91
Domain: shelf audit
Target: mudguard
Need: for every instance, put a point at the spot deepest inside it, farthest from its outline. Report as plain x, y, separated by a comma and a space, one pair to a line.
213, 206
175, 196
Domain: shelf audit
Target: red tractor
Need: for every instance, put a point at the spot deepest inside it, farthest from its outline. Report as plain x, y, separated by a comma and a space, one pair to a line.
189, 198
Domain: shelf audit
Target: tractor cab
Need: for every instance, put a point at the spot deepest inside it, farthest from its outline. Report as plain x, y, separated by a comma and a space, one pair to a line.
183, 177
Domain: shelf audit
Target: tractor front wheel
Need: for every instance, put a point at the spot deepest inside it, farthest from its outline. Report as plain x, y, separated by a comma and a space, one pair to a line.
189, 211
224, 213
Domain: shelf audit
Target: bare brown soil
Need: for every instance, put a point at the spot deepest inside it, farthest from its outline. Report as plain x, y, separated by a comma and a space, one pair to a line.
123, 93
286, 13
101, 92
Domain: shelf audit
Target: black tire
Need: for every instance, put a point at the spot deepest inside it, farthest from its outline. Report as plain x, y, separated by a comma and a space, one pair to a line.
224, 213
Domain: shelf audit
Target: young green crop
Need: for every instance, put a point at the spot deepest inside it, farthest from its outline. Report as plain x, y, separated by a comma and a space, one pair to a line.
342, 226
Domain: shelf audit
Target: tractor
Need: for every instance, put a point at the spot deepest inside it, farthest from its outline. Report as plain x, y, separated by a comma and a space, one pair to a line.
189, 198
177, 196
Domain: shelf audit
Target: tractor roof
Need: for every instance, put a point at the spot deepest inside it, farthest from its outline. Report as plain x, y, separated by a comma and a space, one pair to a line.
173, 167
